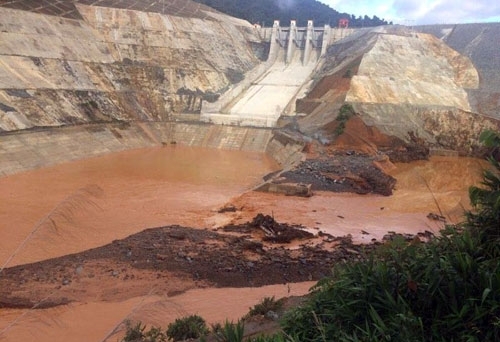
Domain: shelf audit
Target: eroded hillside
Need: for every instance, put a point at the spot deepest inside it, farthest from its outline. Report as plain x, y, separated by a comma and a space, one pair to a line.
480, 43
404, 84
67, 62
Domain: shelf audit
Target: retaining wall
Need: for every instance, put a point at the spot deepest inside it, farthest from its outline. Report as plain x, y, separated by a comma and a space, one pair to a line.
27, 150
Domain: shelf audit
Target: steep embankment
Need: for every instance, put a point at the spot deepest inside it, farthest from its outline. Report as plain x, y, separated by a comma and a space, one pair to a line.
401, 82
34, 149
480, 43
126, 62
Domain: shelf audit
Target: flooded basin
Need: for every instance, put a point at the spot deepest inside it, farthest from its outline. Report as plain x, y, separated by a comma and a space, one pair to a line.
84, 204
72, 207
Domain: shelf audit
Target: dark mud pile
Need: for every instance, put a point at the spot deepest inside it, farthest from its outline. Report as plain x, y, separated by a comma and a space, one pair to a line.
342, 173
239, 256
273, 231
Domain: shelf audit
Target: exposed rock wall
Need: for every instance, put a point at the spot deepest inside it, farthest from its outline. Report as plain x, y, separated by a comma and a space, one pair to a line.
115, 64
480, 43
25, 150
441, 127
403, 82
416, 83
416, 70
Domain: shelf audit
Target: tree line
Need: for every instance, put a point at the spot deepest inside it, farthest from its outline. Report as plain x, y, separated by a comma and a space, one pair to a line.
264, 12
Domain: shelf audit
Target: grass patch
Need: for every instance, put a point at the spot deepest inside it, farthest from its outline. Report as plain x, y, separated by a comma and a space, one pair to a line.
266, 305
187, 327
345, 113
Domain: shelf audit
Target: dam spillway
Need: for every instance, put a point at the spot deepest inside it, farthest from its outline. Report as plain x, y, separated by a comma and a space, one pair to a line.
271, 89
92, 80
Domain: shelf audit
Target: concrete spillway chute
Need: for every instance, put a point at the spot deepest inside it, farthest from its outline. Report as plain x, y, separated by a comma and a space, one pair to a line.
270, 90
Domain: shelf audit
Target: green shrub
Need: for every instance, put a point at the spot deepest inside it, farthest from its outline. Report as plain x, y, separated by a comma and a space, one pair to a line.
267, 304
485, 219
134, 333
440, 291
345, 113
230, 332
137, 333
184, 328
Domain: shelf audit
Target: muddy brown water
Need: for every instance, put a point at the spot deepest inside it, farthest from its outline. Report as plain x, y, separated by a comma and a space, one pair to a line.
79, 205
88, 203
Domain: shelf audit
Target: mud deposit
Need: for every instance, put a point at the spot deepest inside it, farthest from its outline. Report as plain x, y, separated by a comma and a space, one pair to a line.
342, 173
200, 257
81, 258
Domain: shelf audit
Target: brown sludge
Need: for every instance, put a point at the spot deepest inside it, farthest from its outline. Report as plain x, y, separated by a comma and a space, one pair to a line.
101, 200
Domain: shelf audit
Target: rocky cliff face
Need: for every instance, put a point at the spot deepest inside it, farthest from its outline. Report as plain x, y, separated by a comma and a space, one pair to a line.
85, 63
481, 44
417, 70
405, 84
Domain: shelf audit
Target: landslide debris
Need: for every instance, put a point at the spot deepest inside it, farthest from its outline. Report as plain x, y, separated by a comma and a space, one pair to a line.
341, 173
273, 231
251, 254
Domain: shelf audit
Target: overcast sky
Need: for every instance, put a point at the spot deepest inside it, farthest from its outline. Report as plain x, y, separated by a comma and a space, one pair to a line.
421, 12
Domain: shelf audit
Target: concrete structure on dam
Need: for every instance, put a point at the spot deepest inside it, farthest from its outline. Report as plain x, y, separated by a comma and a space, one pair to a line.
271, 89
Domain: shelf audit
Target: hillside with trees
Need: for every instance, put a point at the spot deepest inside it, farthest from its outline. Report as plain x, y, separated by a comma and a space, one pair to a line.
264, 12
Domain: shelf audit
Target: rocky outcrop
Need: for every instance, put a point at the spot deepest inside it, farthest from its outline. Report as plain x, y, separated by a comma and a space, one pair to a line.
403, 83
479, 42
417, 70
125, 62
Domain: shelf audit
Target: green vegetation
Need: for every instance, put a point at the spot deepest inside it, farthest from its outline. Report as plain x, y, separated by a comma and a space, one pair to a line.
441, 291
447, 289
188, 327
486, 199
137, 333
230, 332
345, 113
266, 305
264, 12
